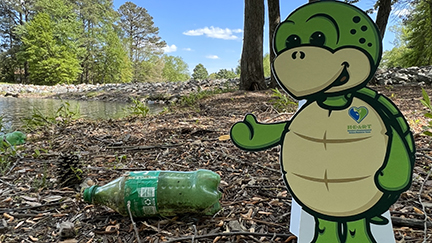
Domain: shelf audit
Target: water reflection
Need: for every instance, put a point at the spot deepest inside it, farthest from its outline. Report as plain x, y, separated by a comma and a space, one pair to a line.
13, 109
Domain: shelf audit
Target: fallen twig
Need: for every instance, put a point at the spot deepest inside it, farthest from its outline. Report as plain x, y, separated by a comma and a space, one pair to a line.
133, 222
412, 223
229, 234
144, 147
32, 207
7, 183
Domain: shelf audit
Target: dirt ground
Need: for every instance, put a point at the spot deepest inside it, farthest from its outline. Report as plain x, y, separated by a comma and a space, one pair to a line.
40, 191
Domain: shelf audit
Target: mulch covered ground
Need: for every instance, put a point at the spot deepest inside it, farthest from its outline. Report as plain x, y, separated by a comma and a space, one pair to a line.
40, 192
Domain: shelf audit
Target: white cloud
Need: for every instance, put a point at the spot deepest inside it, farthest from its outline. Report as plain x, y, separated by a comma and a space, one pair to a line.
187, 49
171, 48
215, 32
212, 57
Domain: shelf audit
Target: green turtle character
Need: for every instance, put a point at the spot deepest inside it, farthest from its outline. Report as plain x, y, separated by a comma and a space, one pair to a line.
348, 153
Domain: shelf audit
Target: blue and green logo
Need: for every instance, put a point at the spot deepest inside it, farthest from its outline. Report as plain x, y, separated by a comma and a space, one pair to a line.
358, 113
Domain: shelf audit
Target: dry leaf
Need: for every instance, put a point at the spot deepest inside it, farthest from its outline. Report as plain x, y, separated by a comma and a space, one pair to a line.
29, 198
9, 217
265, 213
224, 137
220, 224
282, 194
70, 241
34, 239
33, 204
275, 202
418, 210
217, 239
9, 199
52, 199
30, 221
19, 225
111, 228
248, 215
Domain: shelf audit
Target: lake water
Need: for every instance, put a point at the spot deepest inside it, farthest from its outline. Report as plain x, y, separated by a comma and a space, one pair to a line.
14, 109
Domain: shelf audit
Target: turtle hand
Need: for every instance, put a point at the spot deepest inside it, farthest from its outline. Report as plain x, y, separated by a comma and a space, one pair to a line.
249, 134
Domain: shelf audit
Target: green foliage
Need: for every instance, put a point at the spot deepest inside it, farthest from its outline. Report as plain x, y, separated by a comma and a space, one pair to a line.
114, 66
413, 39
427, 103
8, 155
62, 117
212, 76
138, 108
225, 74
199, 72
175, 69
51, 56
282, 102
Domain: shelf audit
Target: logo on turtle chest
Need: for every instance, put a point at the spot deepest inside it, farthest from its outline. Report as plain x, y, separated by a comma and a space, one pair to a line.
358, 113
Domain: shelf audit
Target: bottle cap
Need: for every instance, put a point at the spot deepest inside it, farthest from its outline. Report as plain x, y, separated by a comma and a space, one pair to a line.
88, 194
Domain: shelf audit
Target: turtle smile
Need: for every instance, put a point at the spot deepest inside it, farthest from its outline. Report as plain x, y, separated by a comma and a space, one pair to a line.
326, 180
343, 77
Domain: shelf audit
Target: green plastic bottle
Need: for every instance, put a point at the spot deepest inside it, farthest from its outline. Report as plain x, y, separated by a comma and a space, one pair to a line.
13, 138
164, 193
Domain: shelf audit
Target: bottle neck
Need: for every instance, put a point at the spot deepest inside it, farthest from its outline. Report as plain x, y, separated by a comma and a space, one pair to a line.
89, 193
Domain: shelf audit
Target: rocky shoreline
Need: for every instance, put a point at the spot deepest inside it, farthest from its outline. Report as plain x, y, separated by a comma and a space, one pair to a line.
170, 92
152, 92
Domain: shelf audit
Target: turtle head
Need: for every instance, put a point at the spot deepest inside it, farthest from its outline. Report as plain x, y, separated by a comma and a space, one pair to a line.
326, 48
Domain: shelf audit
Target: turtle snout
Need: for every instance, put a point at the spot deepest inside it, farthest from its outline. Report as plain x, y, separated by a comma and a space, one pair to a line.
298, 54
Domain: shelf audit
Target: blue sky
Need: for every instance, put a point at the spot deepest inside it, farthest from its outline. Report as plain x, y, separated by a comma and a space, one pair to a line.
211, 32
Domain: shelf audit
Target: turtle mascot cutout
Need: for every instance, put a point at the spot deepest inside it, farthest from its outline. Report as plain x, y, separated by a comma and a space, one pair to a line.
348, 153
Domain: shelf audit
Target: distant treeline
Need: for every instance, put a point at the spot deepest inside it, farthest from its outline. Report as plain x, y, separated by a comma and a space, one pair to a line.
82, 41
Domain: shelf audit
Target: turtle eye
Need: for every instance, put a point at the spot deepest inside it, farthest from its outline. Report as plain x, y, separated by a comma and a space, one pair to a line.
292, 41
317, 39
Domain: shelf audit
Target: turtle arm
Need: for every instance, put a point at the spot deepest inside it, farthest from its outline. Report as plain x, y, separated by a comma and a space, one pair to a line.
396, 173
252, 135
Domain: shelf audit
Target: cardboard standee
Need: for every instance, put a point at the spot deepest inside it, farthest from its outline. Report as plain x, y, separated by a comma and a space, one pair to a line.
348, 153
302, 224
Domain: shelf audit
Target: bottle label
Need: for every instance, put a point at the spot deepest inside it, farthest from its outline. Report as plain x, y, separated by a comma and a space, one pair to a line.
141, 191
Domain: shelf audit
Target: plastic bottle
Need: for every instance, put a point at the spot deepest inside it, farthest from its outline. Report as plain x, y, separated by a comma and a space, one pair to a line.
14, 138
164, 193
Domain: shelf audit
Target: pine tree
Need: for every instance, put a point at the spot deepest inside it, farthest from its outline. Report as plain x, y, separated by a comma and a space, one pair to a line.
414, 38
13, 15
97, 18
252, 74
141, 36
419, 38
199, 72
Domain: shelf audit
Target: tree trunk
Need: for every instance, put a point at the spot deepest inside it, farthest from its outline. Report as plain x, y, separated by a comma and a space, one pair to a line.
274, 20
252, 72
384, 9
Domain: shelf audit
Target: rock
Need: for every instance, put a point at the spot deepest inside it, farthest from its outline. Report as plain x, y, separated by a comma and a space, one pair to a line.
3, 226
67, 230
